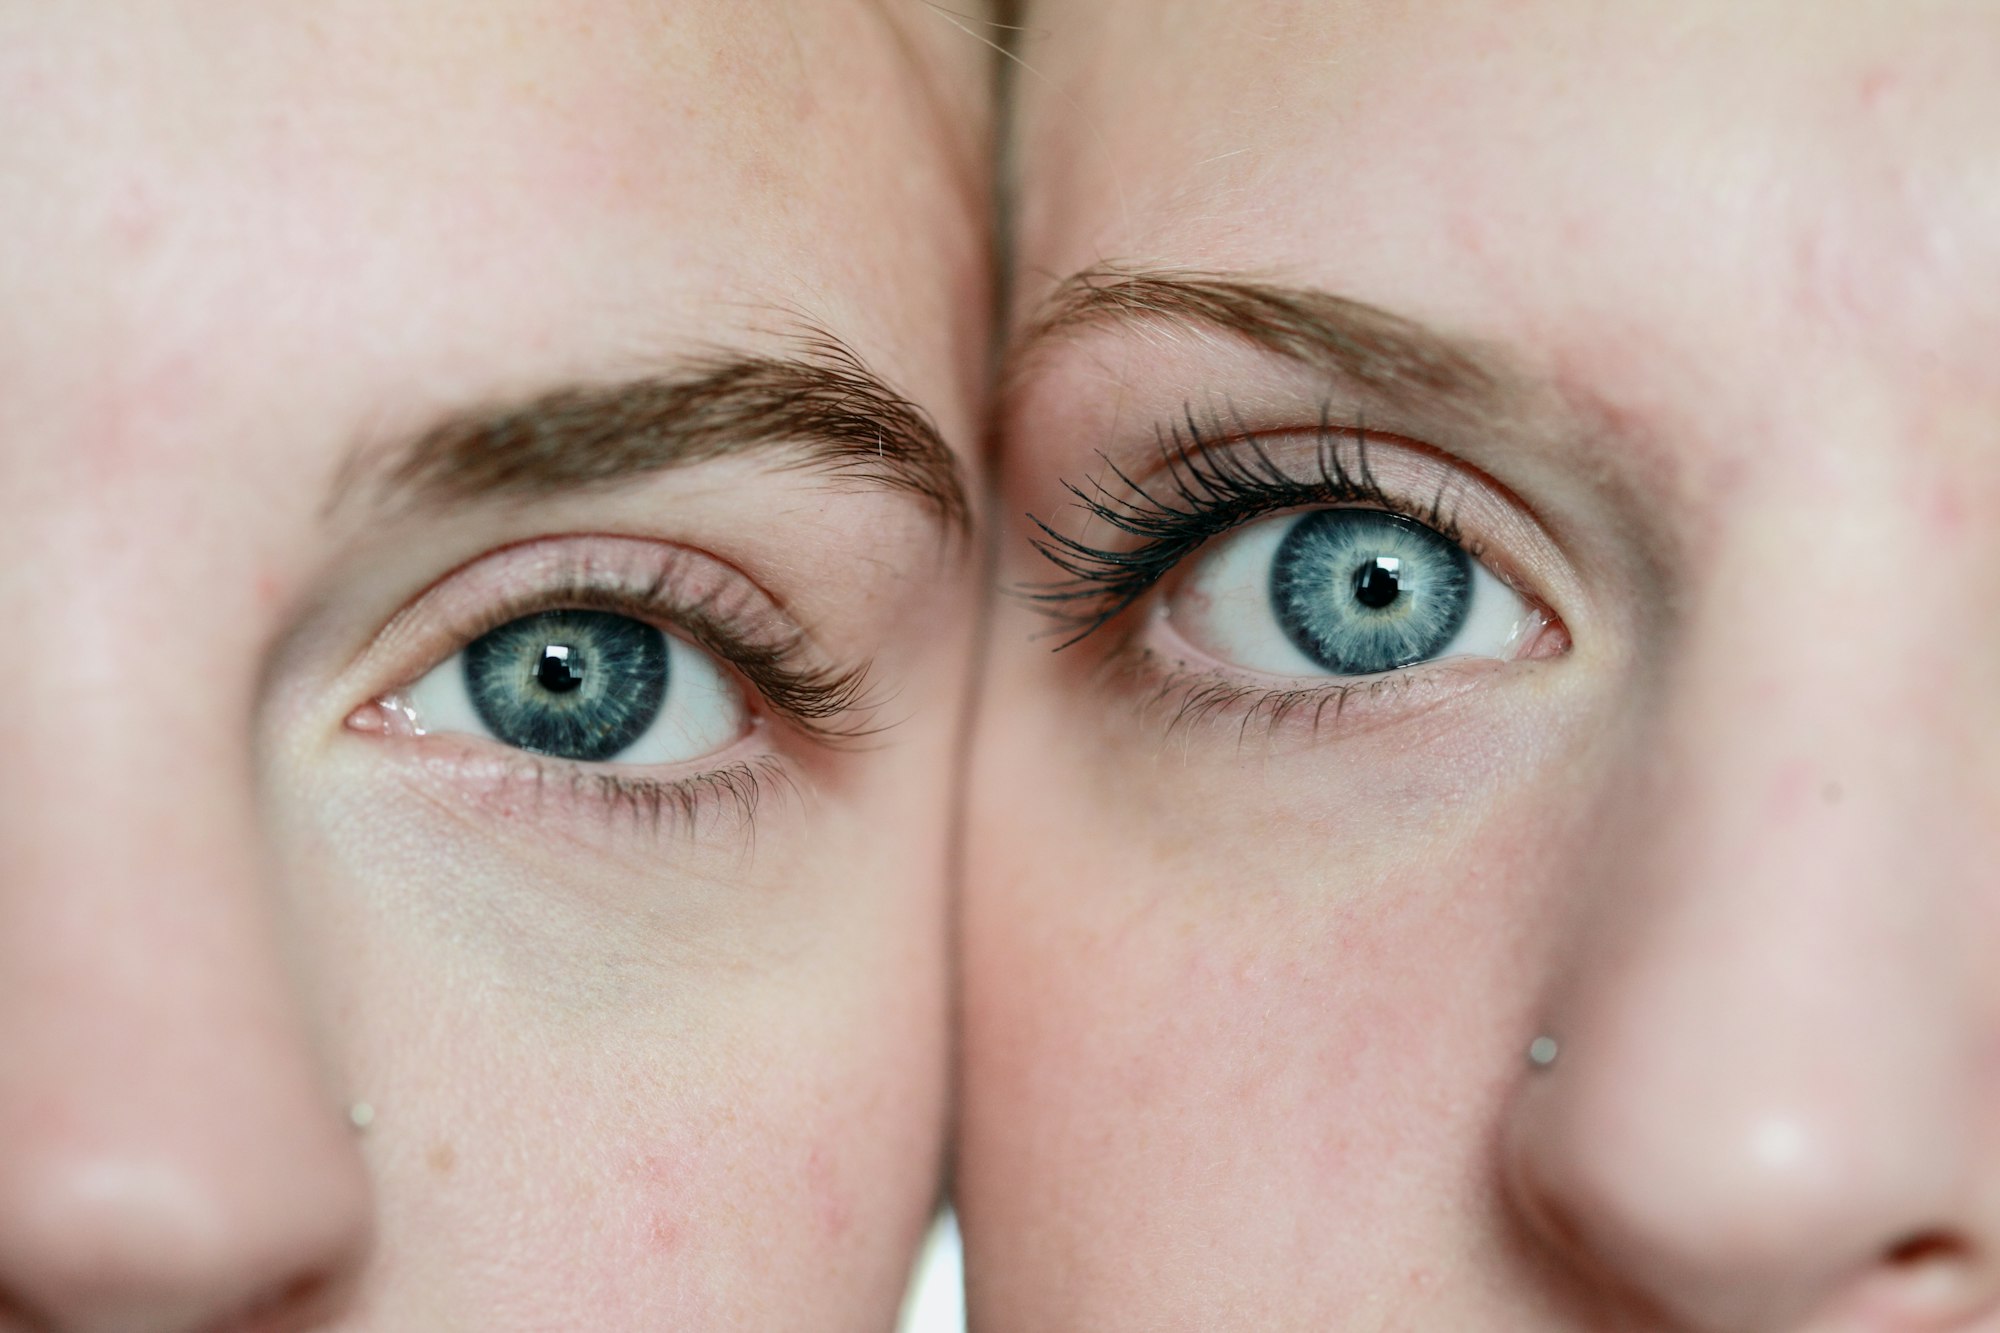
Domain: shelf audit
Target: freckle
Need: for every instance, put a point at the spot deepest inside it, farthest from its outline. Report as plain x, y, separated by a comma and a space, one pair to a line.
1831, 793
443, 1159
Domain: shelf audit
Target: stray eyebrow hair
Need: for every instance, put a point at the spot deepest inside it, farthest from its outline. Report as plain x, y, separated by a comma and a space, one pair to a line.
821, 405
1355, 340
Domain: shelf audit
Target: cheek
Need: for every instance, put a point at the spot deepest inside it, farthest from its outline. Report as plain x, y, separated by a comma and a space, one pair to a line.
688, 1212
1291, 1085
722, 1112
697, 1179
1252, 999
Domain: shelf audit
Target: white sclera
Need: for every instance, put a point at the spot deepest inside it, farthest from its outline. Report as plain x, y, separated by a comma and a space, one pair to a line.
703, 710
1224, 608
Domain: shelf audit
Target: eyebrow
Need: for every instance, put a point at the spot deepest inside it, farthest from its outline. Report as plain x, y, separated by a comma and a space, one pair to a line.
820, 409
1335, 334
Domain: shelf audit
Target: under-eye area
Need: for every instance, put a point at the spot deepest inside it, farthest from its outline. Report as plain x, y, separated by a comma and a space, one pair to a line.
1281, 577
617, 672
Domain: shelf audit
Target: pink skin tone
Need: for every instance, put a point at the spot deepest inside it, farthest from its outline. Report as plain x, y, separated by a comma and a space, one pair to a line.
1247, 1007
621, 1077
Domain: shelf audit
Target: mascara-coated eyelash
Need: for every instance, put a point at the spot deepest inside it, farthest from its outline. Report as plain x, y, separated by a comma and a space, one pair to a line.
1206, 489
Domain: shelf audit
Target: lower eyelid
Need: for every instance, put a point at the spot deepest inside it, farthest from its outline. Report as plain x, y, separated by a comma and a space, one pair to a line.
489, 788
1183, 696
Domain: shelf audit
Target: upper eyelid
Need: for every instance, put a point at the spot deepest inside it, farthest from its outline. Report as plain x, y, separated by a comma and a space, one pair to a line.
495, 585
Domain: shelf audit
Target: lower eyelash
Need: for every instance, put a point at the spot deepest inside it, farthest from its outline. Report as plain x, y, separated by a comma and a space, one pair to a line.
1190, 698
513, 787
1207, 490
681, 804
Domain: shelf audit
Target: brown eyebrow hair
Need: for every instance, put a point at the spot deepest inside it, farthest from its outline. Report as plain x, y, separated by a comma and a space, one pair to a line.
1366, 343
821, 404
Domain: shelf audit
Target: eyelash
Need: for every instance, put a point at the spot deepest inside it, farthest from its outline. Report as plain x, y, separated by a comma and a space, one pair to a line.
820, 700
1212, 489
658, 802
828, 704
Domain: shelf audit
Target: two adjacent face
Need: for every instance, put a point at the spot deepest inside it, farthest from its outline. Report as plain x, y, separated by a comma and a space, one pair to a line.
493, 526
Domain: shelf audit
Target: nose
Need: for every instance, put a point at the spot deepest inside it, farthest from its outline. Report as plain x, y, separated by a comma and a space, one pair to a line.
1764, 1107
171, 1156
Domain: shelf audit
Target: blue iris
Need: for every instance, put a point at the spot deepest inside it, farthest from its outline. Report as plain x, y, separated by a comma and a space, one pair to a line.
574, 684
1360, 591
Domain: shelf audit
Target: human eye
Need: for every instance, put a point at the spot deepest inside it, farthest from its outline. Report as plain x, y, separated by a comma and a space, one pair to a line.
584, 685
1346, 592
651, 675
1296, 569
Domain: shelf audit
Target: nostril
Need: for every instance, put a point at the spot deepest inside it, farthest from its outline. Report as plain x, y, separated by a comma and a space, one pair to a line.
304, 1301
1924, 1249
1928, 1276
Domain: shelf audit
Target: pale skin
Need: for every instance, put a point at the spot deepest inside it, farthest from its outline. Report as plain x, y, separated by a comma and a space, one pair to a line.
633, 1058
1249, 995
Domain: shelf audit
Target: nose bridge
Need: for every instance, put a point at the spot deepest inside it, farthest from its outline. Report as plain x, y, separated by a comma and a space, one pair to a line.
131, 782
1789, 806
1765, 1039
170, 1153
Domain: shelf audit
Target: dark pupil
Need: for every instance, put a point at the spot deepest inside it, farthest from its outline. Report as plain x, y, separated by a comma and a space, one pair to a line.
561, 668
575, 684
1375, 583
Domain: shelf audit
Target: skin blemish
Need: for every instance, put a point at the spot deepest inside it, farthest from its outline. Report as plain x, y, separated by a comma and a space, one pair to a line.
831, 1206
1947, 510
659, 1182
1876, 83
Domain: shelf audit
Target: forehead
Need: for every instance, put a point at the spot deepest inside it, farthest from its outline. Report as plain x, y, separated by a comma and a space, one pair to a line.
1711, 175
215, 204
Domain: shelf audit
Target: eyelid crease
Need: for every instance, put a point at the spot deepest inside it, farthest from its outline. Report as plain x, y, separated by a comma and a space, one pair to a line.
1214, 482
